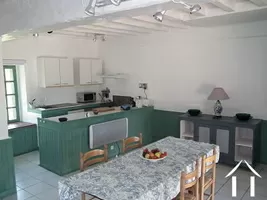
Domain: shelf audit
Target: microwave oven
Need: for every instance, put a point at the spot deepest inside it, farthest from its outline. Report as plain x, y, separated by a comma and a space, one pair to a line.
86, 97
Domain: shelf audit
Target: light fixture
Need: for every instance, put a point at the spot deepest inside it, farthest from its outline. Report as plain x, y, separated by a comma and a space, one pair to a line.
195, 8
116, 2
90, 9
95, 37
35, 34
103, 38
192, 8
50, 32
159, 15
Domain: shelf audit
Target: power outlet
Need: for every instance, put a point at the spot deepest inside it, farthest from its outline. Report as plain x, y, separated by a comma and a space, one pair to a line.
143, 85
112, 147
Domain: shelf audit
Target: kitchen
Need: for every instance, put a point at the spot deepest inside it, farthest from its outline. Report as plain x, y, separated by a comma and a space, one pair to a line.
180, 63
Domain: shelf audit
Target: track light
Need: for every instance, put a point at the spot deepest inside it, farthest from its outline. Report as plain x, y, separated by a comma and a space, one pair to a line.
95, 38
159, 15
116, 2
103, 38
192, 8
195, 8
90, 9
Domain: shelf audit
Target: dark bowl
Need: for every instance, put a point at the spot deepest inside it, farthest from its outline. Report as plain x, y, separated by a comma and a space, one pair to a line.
193, 112
95, 112
63, 119
243, 116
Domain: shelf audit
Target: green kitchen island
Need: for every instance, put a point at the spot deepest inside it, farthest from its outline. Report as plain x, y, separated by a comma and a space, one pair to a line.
60, 143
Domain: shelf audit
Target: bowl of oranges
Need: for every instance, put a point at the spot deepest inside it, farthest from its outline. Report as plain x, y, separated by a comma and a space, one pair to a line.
153, 155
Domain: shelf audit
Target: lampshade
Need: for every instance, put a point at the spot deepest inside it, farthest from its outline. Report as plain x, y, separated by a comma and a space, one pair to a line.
218, 94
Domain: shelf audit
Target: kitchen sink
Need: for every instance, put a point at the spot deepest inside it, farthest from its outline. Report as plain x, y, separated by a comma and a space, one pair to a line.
58, 105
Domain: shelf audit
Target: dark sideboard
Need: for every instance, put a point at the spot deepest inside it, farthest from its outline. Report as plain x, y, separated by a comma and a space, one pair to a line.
238, 140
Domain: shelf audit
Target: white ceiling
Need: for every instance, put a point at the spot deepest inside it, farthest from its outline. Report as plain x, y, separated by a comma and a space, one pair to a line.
141, 21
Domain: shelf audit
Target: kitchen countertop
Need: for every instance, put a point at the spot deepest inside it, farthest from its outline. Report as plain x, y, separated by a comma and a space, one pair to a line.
82, 115
19, 125
71, 106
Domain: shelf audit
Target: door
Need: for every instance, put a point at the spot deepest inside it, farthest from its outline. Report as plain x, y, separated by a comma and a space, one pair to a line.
51, 72
97, 71
225, 139
85, 72
66, 72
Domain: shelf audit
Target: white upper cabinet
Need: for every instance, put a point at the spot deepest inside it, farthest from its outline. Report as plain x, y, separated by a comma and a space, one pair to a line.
88, 71
66, 72
55, 72
48, 72
85, 71
97, 70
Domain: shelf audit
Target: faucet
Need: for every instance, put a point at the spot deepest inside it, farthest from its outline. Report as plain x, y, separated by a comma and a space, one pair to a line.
31, 103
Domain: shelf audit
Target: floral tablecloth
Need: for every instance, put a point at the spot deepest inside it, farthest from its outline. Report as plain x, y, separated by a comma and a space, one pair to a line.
130, 177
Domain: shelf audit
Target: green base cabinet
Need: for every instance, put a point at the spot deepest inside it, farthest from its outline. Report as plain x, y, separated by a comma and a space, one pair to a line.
7, 170
60, 144
24, 139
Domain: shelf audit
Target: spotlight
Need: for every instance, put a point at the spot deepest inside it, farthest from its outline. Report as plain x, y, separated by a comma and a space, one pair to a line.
195, 8
35, 34
159, 15
50, 32
116, 2
192, 8
95, 38
90, 9
103, 38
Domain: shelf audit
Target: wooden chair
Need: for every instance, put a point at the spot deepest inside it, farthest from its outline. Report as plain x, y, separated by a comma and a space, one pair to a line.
90, 158
132, 143
208, 176
189, 181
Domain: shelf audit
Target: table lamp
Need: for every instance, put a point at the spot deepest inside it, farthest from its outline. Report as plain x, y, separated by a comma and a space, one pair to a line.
218, 94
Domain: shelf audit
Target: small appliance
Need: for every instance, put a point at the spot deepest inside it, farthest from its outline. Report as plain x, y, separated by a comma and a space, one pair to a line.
86, 97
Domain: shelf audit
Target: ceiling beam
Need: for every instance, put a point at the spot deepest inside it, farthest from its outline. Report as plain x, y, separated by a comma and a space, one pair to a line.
88, 32
131, 26
137, 22
108, 25
168, 21
84, 29
226, 5
259, 2
99, 28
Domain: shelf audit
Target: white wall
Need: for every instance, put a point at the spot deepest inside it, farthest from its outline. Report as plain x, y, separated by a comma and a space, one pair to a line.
182, 67
30, 48
3, 112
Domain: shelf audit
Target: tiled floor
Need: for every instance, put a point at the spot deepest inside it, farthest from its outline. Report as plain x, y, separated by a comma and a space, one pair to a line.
35, 183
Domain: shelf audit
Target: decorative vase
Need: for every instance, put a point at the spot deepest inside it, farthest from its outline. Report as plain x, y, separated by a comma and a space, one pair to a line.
218, 109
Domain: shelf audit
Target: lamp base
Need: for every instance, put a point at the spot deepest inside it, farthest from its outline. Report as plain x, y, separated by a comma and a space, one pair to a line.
218, 109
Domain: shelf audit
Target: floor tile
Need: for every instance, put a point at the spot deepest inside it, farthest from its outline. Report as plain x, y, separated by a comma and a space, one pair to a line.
21, 195
43, 176
27, 183
38, 188
227, 193
18, 188
21, 176
257, 197
49, 194
35, 171
34, 198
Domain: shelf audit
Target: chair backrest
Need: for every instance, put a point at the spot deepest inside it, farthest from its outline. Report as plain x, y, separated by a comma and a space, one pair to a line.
209, 163
93, 157
132, 143
189, 180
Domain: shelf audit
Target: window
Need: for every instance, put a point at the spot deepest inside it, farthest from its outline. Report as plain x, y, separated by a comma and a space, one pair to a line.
11, 88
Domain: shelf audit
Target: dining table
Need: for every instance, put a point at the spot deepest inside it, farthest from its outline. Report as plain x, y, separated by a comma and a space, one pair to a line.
132, 177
